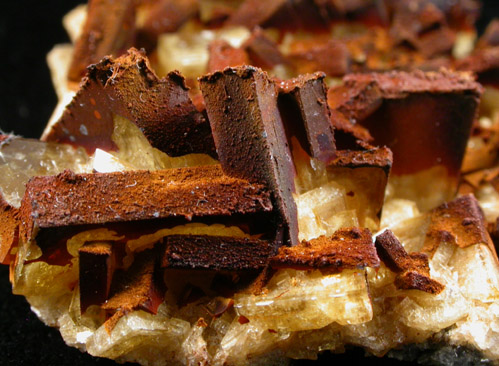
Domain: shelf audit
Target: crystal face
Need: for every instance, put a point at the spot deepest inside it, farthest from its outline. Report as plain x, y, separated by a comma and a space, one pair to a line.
135, 151
21, 159
298, 313
298, 300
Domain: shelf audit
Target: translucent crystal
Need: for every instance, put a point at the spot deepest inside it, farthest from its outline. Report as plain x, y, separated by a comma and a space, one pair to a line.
141, 337
135, 151
256, 338
382, 333
47, 288
397, 210
317, 210
194, 349
298, 300
74, 20
307, 344
365, 190
464, 44
310, 173
148, 240
104, 162
415, 187
75, 242
76, 328
488, 198
21, 159
412, 232
477, 272
480, 329
432, 312
187, 49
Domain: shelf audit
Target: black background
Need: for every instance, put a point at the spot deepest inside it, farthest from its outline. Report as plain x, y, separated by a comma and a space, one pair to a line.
28, 30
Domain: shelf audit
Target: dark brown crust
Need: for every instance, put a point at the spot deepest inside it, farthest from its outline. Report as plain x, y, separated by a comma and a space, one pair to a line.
424, 118
109, 30
460, 222
128, 87
140, 287
9, 228
306, 97
249, 135
412, 280
413, 270
223, 55
361, 93
96, 269
332, 57
77, 199
215, 252
380, 157
348, 248
347, 132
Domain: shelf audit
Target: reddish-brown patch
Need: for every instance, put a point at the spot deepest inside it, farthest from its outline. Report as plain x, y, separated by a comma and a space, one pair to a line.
9, 229
222, 55
349, 248
305, 113
215, 252
460, 222
109, 30
413, 270
102, 198
128, 87
140, 287
249, 135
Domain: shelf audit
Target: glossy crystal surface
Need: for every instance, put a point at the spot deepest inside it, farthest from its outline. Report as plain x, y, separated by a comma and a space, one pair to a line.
21, 159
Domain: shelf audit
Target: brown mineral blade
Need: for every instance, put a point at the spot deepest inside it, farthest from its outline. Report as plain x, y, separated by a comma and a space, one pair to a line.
331, 57
97, 263
460, 222
303, 106
139, 287
348, 133
249, 135
348, 248
424, 118
215, 253
127, 87
109, 30
223, 55
413, 270
71, 200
